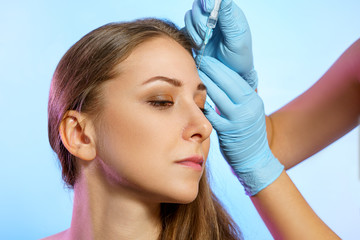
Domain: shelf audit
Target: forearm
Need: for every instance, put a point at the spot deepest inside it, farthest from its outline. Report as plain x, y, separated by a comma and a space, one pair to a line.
286, 213
321, 115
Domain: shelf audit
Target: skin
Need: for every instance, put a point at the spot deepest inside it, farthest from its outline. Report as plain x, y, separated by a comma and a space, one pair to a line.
309, 123
287, 214
321, 115
128, 158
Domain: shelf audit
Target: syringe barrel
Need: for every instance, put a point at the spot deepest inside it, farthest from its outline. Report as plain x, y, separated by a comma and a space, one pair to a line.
212, 20
211, 23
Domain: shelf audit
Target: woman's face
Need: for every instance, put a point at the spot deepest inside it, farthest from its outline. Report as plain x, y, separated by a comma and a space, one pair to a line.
151, 120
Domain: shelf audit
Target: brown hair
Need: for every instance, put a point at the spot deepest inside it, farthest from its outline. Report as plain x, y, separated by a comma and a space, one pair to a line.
76, 85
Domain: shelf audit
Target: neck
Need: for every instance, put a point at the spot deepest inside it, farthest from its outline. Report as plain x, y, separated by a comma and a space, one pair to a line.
105, 211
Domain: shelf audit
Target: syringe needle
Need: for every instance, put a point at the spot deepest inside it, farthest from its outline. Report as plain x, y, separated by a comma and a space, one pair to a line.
211, 23
201, 56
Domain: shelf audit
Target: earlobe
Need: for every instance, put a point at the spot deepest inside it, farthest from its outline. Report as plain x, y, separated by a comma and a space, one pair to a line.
77, 134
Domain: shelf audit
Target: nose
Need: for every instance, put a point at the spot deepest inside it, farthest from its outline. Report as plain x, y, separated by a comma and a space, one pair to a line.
197, 126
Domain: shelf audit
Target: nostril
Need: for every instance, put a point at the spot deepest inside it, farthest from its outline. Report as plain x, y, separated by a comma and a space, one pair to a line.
196, 136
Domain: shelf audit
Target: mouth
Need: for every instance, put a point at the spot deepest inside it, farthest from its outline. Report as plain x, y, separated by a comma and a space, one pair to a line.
194, 162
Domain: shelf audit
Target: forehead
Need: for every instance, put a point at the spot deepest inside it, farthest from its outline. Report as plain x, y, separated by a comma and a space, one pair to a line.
160, 56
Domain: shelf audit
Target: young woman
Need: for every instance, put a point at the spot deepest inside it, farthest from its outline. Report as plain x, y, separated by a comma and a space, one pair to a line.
126, 119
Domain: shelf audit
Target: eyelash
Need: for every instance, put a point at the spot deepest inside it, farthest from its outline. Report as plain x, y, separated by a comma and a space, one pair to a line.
161, 104
165, 104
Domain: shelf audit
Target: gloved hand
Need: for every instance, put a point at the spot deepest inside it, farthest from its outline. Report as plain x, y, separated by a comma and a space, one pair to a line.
241, 126
231, 39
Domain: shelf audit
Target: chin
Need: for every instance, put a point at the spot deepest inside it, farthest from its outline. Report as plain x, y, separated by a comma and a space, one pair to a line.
186, 200
183, 196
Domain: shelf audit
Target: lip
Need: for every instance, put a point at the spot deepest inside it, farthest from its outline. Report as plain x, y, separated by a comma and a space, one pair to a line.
194, 162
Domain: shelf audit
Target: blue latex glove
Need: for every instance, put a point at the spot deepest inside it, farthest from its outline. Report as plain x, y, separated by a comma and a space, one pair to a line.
231, 39
241, 126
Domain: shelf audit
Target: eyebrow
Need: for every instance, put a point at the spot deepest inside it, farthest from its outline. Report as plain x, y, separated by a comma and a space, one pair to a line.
173, 81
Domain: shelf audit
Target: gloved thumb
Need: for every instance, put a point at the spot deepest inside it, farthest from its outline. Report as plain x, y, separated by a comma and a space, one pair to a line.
232, 20
208, 5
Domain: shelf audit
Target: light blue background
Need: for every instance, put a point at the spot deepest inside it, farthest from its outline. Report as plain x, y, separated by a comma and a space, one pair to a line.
294, 43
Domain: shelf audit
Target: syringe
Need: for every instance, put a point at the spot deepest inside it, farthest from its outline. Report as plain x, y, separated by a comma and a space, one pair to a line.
212, 20
210, 25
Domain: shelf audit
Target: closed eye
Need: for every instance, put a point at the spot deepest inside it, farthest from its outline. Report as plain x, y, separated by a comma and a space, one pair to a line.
161, 104
166, 104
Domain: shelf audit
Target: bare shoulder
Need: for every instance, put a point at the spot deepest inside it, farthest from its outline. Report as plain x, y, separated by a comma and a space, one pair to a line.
58, 236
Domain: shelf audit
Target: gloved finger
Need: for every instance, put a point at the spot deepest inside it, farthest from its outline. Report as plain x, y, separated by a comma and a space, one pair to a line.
234, 86
207, 5
233, 24
220, 98
190, 29
251, 78
198, 18
214, 118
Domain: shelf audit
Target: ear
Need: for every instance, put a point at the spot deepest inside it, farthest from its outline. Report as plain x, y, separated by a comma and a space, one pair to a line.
78, 135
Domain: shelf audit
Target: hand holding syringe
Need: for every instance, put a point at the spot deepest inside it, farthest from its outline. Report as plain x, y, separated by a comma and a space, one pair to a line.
231, 39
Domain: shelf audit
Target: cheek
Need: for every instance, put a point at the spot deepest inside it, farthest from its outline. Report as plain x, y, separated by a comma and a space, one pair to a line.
132, 144
129, 136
